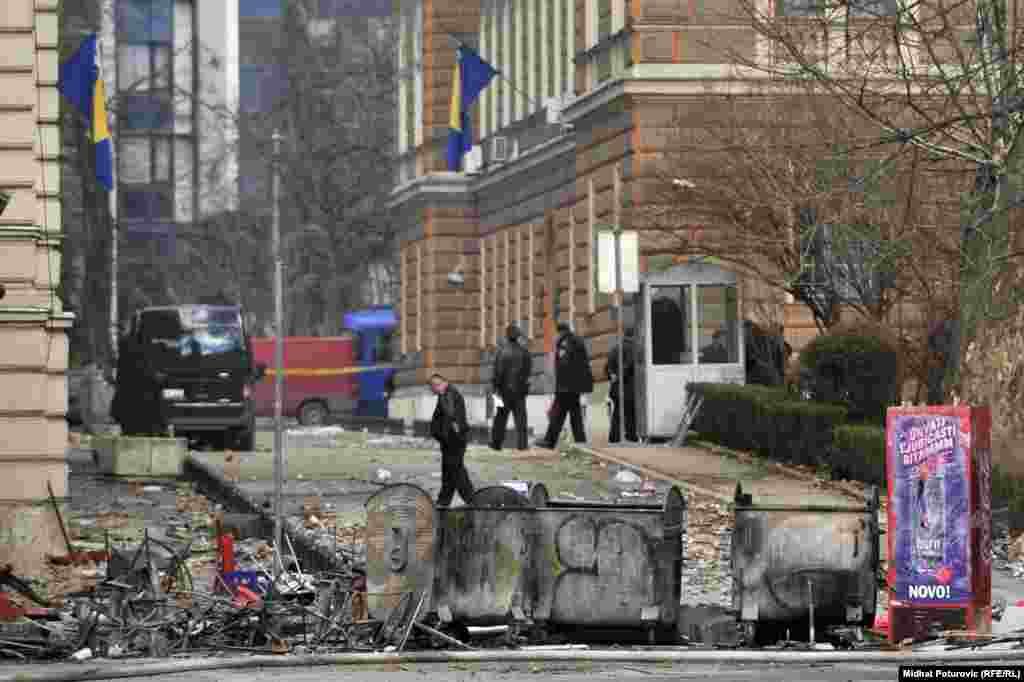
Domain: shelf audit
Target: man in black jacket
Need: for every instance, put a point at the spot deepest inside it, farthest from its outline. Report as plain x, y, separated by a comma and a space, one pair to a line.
451, 429
511, 383
628, 376
572, 378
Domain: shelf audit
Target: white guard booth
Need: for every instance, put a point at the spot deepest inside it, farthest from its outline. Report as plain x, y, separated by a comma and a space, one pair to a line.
688, 329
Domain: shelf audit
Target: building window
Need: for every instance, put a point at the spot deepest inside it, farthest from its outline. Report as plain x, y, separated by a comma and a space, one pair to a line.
494, 287
259, 8
552, 47
146, 202
483, 295
419, 297
571, 235
144, 21
604, 30
873, 8
261, 86
799, 8
156, 178
529, 281
717, 324
410, 76
403, 299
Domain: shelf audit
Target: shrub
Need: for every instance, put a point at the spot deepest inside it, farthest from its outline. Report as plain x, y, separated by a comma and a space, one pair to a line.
858, 368
767, 421
858, 453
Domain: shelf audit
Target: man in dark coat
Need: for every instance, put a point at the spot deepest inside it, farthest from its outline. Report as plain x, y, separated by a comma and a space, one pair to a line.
572, 378
451, 429
628, 376
511, 383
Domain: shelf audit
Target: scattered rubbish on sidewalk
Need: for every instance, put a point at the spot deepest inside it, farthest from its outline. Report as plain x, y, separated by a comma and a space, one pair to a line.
82, 655
627, 476
382, 476
522, 487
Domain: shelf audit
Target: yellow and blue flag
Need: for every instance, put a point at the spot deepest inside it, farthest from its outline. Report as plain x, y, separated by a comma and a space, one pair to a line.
81, 83
472, 75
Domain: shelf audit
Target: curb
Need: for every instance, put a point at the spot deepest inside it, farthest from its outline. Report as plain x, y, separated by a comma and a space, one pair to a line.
498, 656
312, 555
654, 473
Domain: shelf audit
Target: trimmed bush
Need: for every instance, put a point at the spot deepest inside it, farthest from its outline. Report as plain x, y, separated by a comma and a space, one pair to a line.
858, 453
854, 367
767, 421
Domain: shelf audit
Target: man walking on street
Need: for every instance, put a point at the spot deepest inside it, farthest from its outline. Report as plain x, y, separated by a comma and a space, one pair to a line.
572, 377
629, 399
511, 383
451, 429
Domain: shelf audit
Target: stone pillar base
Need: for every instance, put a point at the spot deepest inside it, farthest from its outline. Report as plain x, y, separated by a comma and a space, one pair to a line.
29, 532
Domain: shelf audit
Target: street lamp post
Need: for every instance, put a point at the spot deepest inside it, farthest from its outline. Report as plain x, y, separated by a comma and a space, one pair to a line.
278, 356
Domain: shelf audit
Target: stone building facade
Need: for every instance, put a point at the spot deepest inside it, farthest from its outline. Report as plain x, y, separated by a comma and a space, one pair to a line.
568, 135
33, 327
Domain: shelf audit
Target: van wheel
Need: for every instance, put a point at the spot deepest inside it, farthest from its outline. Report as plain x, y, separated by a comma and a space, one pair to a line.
313, 414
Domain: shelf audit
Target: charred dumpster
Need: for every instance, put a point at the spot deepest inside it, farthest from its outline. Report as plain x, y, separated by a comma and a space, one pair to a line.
528, 561
794, 566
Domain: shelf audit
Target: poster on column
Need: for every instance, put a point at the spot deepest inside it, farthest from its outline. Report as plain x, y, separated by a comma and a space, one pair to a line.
930, 498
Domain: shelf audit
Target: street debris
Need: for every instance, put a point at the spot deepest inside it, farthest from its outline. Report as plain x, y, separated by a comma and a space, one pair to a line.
626, 476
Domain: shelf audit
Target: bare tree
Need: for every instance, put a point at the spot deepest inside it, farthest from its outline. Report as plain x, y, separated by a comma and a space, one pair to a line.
936, 78
794, 194
335, 108
790, 196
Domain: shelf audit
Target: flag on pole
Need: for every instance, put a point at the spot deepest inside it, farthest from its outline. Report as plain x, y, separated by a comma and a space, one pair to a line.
472, 74
81, 83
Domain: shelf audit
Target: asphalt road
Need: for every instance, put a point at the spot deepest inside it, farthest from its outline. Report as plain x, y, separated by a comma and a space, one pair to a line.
561, 672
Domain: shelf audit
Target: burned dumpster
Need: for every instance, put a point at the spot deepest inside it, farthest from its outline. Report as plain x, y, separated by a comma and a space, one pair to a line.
794, 566
529, 561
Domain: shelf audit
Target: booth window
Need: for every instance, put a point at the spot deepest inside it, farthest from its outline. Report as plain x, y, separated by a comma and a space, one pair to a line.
670, 329
717, 324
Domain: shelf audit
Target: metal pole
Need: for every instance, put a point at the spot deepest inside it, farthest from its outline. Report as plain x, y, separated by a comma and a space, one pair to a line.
278, 354
620, 295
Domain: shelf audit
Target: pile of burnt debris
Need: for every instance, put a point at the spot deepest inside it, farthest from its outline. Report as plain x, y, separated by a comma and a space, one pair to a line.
146, 603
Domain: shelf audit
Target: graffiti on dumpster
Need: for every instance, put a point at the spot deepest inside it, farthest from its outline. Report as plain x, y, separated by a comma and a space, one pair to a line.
400, 544
607, 568
928, 465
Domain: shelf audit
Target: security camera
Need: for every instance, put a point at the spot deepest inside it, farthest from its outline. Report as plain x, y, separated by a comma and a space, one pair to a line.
456, 278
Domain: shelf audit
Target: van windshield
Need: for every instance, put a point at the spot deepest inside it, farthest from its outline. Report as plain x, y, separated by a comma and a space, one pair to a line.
190, 336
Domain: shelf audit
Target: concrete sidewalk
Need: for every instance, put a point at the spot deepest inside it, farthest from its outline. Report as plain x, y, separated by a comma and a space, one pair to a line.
715, 475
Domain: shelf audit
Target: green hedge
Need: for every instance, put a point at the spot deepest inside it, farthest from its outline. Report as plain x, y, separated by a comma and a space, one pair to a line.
768, 421
854, 367
858, 453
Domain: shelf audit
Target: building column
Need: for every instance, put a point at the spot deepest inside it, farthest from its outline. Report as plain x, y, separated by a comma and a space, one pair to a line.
33, 328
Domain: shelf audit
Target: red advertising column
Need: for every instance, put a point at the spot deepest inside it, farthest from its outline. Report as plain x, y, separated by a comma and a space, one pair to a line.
939, 470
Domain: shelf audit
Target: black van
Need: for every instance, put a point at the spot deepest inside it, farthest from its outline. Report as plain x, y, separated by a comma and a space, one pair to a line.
188, 369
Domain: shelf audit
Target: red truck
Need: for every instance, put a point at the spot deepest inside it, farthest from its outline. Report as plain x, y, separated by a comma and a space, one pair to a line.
319, 378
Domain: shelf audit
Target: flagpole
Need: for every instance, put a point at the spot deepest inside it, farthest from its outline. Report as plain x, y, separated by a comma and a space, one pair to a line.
114, 238
498, 71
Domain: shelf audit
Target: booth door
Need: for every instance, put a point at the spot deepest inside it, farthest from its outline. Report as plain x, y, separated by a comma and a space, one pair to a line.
668, 350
